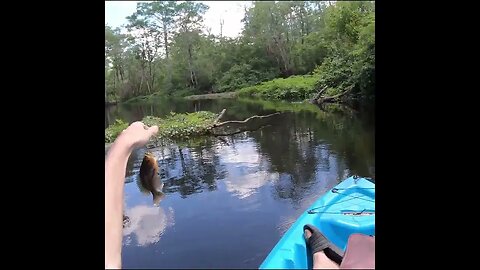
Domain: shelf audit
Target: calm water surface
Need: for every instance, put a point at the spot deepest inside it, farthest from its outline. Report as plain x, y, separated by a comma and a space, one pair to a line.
228, 200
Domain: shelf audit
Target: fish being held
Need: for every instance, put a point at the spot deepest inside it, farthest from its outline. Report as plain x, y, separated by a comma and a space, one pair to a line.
126, 221
149, 179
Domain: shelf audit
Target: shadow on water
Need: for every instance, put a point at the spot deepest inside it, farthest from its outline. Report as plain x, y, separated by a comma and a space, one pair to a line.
234, 196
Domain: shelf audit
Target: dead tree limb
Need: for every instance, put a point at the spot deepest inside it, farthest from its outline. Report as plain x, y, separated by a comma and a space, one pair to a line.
216, 124
243, 121
334, 98
219, 116
318, 95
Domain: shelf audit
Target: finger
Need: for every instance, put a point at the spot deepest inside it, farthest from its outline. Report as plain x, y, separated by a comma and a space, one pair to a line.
137, 123
153, 130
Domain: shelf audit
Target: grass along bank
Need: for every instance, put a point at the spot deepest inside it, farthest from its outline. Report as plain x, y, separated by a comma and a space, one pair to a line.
187, 126
294, 88
174, 126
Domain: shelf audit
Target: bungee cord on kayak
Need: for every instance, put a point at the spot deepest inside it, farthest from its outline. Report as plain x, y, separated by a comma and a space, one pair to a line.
335, 190
344, 220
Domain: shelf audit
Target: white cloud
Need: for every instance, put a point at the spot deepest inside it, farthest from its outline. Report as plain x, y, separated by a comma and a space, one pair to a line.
243, 175
244, 186
231, 12
147, 223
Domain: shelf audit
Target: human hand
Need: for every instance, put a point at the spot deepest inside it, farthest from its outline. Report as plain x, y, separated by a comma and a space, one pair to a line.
137, 135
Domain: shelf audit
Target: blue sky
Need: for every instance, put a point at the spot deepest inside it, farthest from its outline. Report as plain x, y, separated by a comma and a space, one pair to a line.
230, 11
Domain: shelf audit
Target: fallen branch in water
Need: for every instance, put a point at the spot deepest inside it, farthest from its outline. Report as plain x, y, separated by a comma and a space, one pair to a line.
318, 95
217, 125
243, 121
181, 126
219, 116
318, 99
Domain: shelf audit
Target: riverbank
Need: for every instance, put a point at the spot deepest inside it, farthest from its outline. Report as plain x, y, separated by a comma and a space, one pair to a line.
294, 88
213, 96
143, 98
174, 126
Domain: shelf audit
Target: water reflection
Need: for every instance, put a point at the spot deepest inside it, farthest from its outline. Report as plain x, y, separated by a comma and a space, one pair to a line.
246, 169
147, 224
296, 149
254, 183
190, 170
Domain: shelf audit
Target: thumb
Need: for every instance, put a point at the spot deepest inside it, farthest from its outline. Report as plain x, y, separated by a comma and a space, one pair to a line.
153, 130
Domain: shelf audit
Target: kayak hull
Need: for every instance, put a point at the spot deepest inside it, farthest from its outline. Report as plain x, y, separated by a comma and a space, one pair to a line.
347, 208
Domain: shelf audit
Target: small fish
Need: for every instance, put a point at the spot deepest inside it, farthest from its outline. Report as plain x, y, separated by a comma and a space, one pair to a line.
150, 179
126, 221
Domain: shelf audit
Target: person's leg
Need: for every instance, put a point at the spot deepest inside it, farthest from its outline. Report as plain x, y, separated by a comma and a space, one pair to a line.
360, 253
320, 260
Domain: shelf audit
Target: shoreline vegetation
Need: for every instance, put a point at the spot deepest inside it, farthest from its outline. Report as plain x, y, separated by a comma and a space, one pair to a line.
182, 127
185, 126
315, 53
323, 52
294, 89
213, 96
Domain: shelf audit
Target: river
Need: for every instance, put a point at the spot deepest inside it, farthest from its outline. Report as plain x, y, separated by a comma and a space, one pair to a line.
228, 200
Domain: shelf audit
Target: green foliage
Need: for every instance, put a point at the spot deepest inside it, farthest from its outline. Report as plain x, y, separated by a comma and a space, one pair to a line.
335, 72
350, 33
183, 92
292, 88
242, 75
327, 111
182, 126
175, 126
112, 132
165, 49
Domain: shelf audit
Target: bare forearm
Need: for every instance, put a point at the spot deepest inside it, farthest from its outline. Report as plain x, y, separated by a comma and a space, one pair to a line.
115, 167
135, 136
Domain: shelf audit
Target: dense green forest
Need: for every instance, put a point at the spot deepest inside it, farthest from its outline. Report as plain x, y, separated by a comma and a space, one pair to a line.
287, 50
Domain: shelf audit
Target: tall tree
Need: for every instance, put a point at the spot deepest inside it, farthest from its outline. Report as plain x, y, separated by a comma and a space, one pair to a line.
161, 16
165, 48
190, 22
114, 56
144, 39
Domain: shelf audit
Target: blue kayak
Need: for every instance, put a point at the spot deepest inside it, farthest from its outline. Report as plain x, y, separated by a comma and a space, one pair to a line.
347, 208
